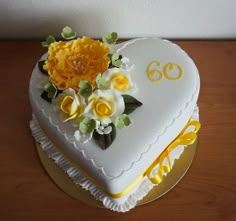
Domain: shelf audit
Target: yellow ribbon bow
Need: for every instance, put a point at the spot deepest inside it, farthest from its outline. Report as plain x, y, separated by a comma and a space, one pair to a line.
184, 138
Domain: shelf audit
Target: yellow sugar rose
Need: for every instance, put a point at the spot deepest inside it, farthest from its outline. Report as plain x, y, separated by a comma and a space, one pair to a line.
105, 106
120, 82
69, 104
117, 79
70, 62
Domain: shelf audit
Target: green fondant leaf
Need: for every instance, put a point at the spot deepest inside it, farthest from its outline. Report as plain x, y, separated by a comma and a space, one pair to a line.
115, 60
115, 57
68, 33
85, 89
114, 37
87, 125
101, 83
49, 40
110, 37
51, 90
40, 66
131, 103
105, 140
44, 95
117, 63
122, 121
49, 98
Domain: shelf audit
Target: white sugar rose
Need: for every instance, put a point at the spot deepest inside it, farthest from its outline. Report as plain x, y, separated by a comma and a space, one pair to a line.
105, 106
69, 103
118, 79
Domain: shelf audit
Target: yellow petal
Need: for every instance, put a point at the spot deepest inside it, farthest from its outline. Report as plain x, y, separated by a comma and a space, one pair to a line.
74, 107
66, 104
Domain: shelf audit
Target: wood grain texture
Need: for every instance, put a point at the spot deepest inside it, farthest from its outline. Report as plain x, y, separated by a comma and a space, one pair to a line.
208, 190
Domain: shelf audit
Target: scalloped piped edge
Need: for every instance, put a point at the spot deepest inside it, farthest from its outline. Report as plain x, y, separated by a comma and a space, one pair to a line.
132, 164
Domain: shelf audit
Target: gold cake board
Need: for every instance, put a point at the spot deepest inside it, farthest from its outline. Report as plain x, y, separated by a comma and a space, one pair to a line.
74, 190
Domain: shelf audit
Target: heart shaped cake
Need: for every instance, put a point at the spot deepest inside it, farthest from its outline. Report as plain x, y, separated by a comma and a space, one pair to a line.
115, 117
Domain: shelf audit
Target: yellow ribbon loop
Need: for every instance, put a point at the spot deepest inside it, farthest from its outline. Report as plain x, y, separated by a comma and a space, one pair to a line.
192, 123
185, 138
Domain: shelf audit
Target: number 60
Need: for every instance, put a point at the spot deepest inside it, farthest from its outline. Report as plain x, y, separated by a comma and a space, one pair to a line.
156, 75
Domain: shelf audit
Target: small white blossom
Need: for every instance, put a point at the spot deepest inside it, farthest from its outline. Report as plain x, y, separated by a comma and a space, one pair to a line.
127, 64
103, 129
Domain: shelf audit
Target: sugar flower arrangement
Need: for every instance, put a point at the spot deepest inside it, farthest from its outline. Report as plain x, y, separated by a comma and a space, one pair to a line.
88, 85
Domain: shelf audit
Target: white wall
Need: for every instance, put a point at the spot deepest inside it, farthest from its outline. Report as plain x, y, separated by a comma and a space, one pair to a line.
130, 18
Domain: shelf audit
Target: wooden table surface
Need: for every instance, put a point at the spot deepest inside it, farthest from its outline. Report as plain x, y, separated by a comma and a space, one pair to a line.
208, 190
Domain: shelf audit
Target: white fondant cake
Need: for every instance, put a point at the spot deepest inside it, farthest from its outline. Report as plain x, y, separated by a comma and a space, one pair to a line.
137, 159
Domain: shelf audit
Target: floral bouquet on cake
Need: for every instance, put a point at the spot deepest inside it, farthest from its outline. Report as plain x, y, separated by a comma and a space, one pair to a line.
89, 85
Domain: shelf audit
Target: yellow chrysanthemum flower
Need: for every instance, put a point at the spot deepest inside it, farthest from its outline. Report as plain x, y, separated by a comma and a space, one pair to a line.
70, 62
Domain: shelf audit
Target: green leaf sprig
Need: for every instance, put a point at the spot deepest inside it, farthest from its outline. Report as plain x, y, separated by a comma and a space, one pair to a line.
68, 34
115, 60
85, 88
50, 92
110, 38
122, 121
101, 82
87, 125
49, 40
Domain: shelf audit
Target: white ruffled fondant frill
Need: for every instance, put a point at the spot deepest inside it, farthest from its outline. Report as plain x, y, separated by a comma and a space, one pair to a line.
52, 152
